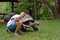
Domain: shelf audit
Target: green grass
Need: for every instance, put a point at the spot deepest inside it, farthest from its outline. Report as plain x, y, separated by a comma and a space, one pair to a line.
48, 30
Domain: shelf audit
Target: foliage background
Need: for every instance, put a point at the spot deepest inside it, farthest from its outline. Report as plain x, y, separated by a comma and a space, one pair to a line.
41, 13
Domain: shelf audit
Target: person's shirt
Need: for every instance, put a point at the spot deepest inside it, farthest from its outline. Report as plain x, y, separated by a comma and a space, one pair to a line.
17, 16
12, 18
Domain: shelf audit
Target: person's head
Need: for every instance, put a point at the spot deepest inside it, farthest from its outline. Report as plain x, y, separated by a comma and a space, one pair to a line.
22, 14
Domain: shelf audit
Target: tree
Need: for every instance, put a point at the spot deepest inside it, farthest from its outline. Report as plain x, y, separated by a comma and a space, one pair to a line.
57, 8
55, 11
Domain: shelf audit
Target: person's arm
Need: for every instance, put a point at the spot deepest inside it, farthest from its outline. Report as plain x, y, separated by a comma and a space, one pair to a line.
19, 23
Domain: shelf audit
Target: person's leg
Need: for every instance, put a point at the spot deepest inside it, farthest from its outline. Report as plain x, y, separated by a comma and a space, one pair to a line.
13, 30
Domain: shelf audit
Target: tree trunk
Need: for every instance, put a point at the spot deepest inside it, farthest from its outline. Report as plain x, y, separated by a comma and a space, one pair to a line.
35, 8
48, 6
56, 11
57, 8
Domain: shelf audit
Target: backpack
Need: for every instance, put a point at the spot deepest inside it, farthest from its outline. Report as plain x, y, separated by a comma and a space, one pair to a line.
8, 16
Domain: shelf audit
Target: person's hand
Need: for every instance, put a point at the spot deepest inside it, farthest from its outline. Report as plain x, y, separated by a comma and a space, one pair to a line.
20, 32
15, 33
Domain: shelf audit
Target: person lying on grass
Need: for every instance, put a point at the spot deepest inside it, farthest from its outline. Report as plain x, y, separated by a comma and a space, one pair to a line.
15, 23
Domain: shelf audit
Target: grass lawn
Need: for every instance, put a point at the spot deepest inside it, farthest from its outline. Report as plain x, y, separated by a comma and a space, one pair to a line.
48, 30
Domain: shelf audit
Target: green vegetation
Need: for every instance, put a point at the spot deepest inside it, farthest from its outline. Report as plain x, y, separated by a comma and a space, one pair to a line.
42, 12
5, 7
48, 30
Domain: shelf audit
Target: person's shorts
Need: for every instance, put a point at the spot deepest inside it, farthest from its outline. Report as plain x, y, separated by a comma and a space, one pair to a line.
12, 25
